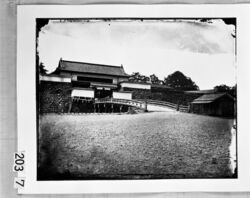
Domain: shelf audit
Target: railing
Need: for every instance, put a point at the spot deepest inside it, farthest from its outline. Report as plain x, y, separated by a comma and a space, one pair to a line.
140, 103
135, 103
183, 108
170, 105
160, 103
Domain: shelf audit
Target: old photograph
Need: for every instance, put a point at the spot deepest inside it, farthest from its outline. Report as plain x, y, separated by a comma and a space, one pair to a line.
136, 98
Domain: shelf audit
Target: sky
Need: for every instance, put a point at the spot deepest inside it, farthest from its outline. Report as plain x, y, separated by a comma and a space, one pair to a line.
203, 51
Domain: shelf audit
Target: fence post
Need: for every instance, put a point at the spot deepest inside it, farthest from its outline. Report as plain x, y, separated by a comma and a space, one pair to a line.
178, 106
146, 105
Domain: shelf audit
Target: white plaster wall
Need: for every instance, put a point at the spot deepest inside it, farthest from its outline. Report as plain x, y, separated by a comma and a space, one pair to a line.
135, 85
121, 79
55, 79
122, 95
115, 80
83, 93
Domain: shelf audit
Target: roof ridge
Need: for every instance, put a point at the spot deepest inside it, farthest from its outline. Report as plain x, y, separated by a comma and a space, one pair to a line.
92, 63
220, 93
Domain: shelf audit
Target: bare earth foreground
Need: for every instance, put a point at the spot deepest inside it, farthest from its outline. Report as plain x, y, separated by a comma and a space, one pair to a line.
133, 146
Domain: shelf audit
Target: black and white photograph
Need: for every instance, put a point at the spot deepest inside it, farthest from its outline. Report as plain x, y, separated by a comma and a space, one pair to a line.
136, 98
132, 99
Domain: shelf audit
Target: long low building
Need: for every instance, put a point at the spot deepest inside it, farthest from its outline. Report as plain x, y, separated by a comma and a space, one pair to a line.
217, 104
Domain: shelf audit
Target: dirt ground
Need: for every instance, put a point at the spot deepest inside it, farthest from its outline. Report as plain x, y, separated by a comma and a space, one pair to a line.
137, 146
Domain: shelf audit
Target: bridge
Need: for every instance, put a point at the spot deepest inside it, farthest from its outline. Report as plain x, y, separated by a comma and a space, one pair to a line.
132, 103
159, 105
122, 105
149, 105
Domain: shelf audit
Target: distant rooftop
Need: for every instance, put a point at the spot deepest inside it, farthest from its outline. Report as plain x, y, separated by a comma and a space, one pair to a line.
206, 91
91, 68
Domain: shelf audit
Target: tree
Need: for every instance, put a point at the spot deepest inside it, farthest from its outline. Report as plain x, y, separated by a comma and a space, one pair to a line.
233, 90
154, 79
137, 77
227, 89
222, 88
178, 80
42, 69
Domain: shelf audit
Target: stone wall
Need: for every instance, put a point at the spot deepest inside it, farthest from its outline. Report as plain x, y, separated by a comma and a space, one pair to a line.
54, 97
163, 94
139, 93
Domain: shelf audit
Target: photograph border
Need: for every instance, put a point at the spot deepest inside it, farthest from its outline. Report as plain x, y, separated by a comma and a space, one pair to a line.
33, 12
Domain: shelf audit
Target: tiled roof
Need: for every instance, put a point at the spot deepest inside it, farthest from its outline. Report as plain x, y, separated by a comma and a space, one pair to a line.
208, 98
83, 67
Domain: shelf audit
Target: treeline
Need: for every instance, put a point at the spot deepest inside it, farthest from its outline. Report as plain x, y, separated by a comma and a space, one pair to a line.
176, 80
227, 89
179, 81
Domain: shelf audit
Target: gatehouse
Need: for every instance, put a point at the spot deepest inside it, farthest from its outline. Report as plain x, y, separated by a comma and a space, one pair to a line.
87, 87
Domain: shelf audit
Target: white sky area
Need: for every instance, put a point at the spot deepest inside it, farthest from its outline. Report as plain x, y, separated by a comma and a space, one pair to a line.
203, 51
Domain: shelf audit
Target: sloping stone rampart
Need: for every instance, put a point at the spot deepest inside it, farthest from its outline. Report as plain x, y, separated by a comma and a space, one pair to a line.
54, 97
